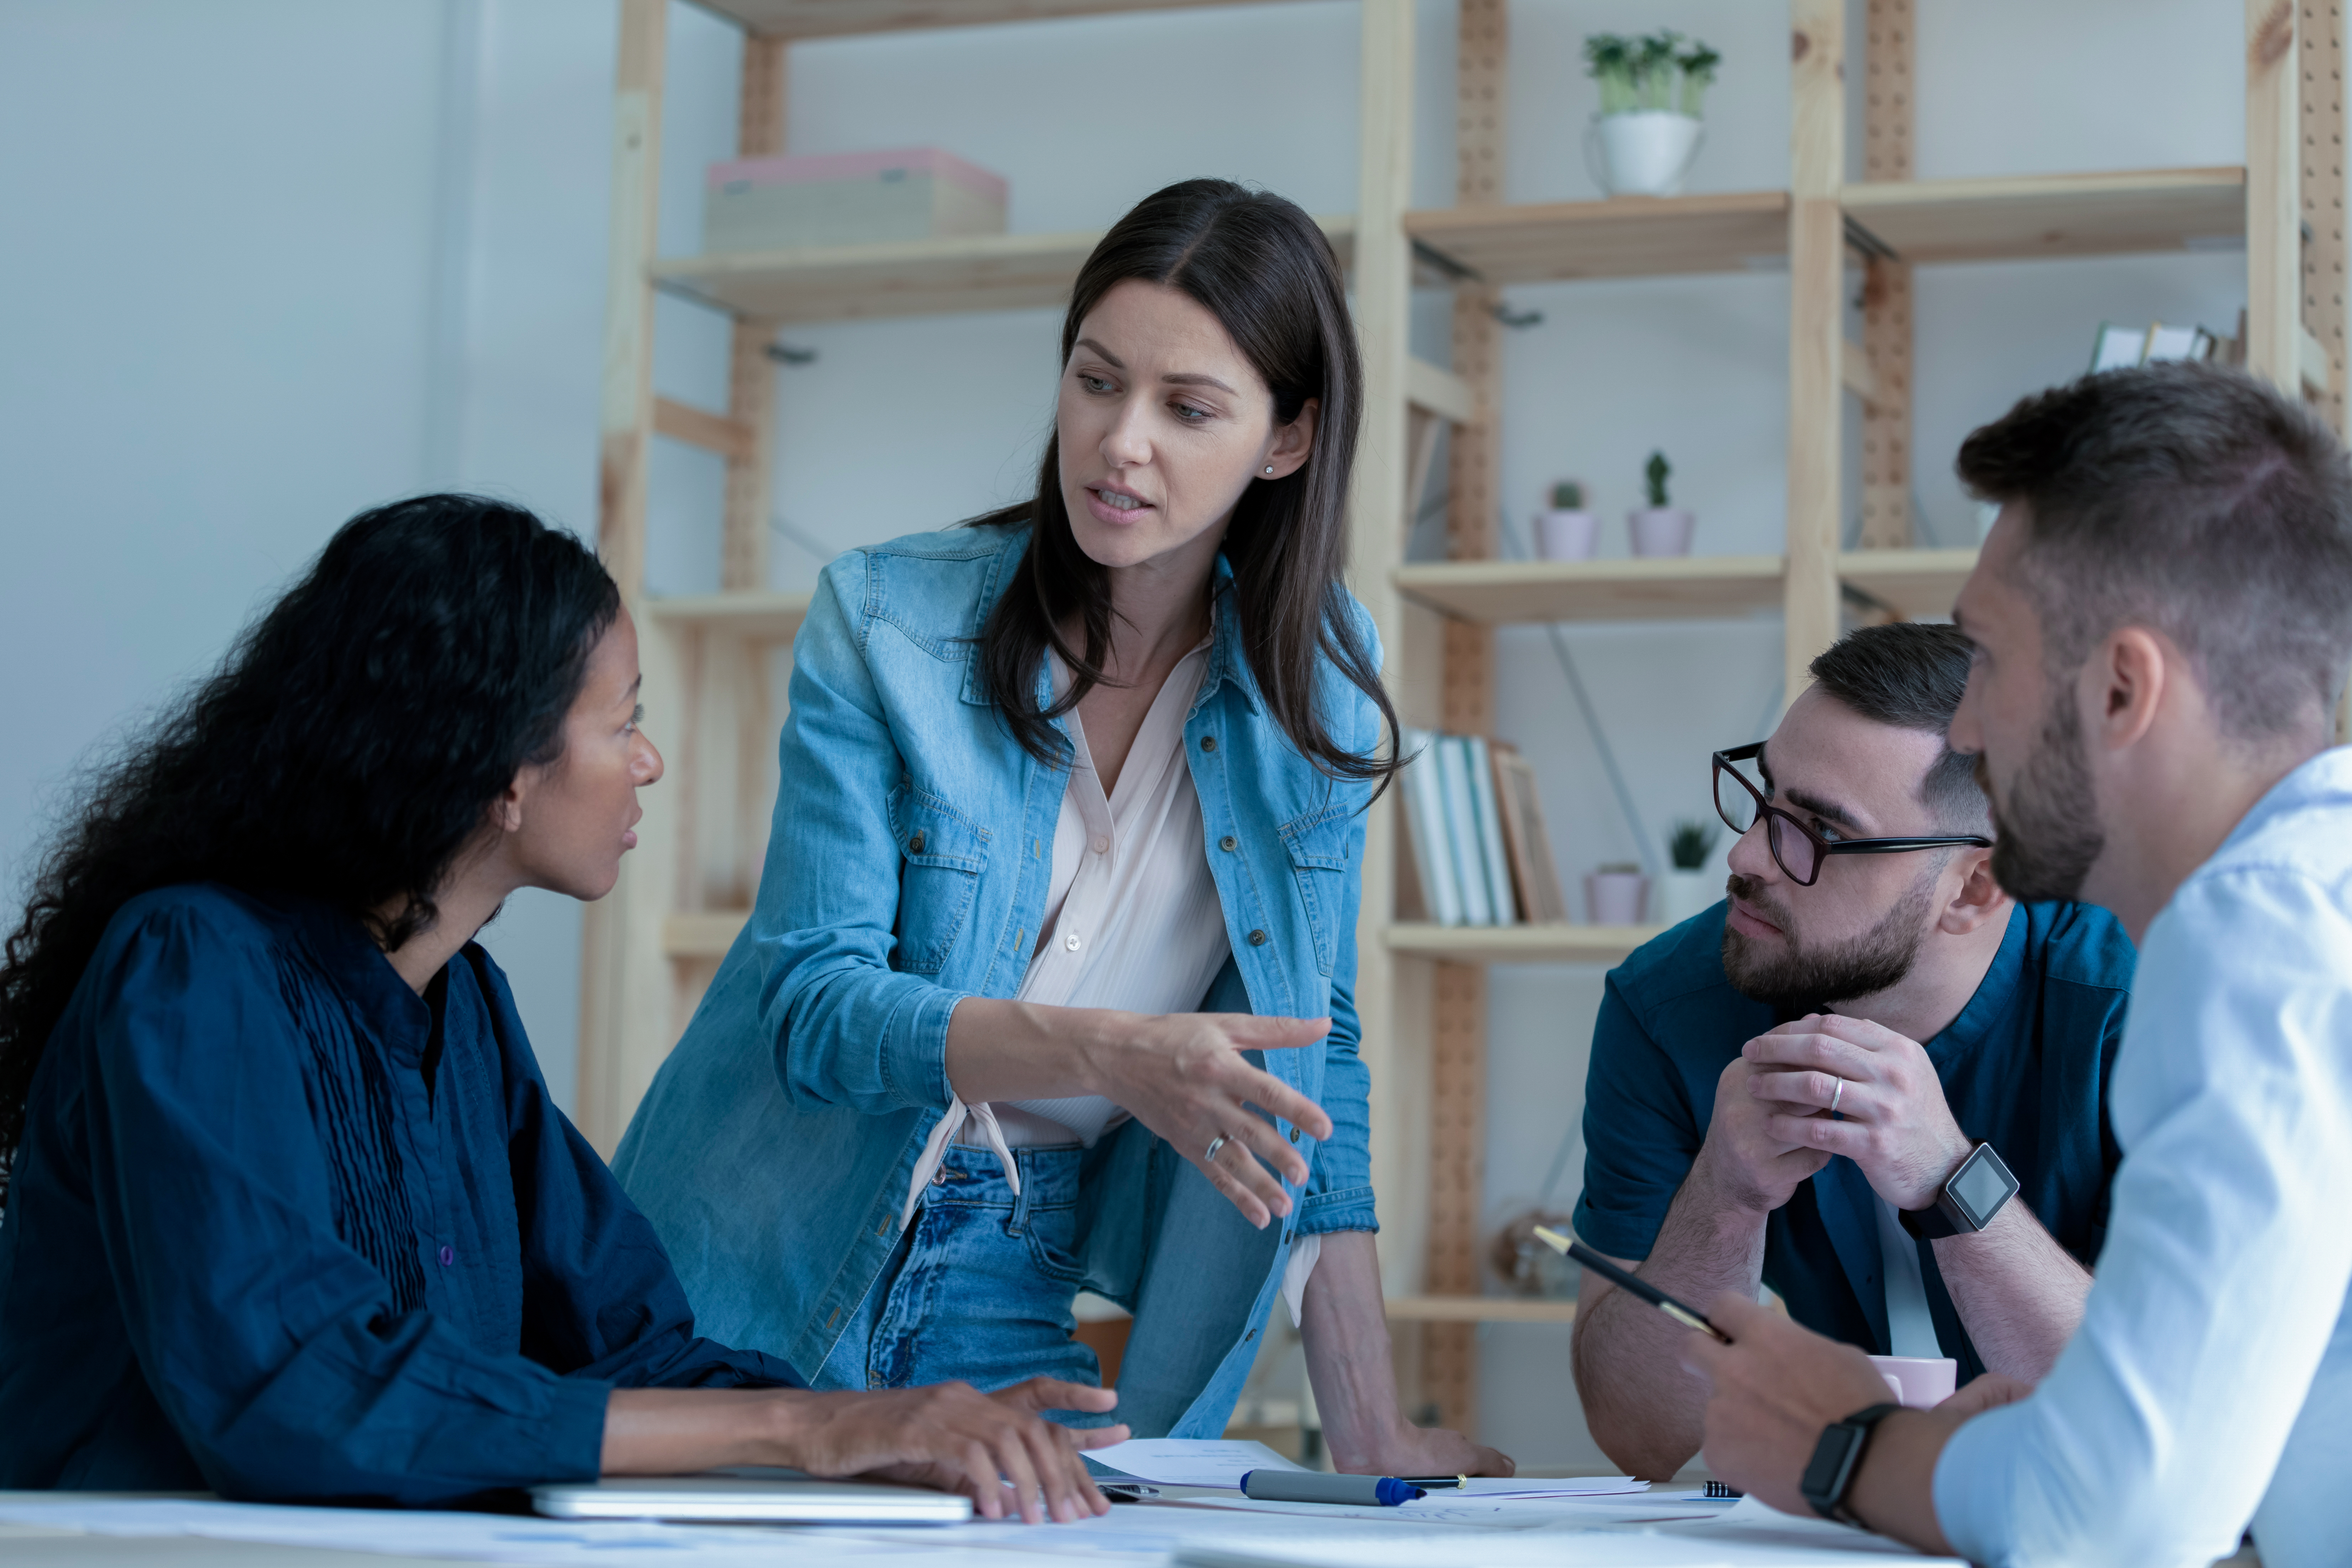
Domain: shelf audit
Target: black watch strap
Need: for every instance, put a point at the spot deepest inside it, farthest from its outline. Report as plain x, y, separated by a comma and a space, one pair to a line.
1967, 1201
1836, 1459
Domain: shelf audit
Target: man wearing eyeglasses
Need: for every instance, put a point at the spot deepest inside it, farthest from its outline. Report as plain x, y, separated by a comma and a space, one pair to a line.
1869, 1079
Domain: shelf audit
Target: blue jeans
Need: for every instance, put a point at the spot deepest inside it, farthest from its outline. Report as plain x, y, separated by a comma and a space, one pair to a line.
980, 1287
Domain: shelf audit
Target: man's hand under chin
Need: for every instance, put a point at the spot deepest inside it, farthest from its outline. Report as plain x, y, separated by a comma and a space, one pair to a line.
1891, 1118
1778, 1385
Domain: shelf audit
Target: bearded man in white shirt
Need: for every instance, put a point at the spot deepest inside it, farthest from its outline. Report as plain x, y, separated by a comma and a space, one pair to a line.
2161, 620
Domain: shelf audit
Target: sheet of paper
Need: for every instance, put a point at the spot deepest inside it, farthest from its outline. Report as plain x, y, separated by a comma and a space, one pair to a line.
1188, 1461
1563, 1486
1753, 1521
475, 1537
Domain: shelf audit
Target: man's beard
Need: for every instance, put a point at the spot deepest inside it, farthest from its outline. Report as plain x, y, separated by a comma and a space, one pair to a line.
2046, 835
1801, 979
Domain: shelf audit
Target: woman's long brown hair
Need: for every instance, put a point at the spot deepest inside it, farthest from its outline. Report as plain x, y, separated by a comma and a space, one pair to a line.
1264, 270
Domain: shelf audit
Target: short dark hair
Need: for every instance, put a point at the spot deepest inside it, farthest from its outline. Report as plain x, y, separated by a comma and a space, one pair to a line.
1911, 675
2197, 501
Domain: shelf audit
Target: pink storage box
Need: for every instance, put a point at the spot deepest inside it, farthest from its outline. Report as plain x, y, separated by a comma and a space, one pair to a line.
848, 198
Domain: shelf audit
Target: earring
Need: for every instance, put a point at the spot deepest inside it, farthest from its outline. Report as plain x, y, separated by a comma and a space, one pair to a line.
1269, 467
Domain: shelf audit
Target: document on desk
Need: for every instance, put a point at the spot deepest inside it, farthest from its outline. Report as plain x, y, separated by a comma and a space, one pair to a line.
1188, 1461
474, 1537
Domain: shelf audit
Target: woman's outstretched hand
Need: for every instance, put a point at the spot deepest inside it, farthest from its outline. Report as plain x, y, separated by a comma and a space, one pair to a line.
1183, 1076
994, 1448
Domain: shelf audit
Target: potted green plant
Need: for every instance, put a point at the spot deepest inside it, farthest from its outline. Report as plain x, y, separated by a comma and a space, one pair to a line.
1660, 527
1688, 890
1566, 532
1648, 131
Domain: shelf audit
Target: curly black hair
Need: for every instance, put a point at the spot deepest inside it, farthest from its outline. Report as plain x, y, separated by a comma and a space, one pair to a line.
346, 749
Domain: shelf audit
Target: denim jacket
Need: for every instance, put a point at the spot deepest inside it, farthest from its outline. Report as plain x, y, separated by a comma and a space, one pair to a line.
907, 869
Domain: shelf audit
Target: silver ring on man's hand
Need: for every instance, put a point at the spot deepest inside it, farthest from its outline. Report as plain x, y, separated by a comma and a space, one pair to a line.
1835, 1096
1219, 1141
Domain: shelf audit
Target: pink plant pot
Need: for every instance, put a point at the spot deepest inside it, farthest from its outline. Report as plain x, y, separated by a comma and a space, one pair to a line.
1616, 898
1567, 535
1660, 530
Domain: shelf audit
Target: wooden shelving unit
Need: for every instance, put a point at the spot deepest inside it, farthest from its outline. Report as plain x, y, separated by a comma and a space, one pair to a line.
917, 278
1520, 944
714, 661
1479, 1309
1501, 592
1659, 237
2137, 211
1917, 584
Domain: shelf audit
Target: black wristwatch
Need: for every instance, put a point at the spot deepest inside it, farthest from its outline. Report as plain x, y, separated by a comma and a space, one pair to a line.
1967, 1202
1835, 1460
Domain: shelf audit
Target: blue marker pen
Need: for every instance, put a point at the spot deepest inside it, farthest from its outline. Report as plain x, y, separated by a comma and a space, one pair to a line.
1313, 1486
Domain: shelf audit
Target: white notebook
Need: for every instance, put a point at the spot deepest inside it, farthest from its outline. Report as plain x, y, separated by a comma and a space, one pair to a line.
751, 1494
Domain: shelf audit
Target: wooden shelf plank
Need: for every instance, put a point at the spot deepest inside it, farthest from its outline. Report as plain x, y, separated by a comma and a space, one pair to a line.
834, 19
1496, 593
907, 278
1480, 1310
2052, 215
1438, 391
1627, 236
1520, 944
1917, 582
702, 933
777, 616
730, 439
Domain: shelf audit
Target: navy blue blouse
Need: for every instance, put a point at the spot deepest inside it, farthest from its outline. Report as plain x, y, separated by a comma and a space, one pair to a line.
282, 1227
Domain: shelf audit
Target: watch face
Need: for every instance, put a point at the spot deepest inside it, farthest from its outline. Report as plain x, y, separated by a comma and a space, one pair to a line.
1980, 1185
1824, 1479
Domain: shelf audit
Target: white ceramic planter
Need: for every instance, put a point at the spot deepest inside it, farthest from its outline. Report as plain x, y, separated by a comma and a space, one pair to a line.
1644, 153
1567, 535
1660, 530
1616, 898
1687, 893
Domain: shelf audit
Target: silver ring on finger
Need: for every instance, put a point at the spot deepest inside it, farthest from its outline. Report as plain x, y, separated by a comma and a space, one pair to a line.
1219, 1141
1836, 1095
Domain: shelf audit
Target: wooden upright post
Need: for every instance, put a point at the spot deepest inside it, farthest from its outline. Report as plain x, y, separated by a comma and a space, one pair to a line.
1816, 334
2274, 216
624, 980
2322, 193
751, 375
1473, 469
1376, 507
1886, 122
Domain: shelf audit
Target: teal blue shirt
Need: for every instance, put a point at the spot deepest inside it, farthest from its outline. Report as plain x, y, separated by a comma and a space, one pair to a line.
2024, 1066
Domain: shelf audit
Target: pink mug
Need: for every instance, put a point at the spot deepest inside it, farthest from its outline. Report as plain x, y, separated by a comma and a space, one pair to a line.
1918, 1382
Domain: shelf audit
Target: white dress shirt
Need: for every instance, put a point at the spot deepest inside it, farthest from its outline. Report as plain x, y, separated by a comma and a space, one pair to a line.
2210, 1383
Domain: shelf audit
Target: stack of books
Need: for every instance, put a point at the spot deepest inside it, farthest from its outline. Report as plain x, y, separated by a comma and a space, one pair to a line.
2120, 347
1480, 856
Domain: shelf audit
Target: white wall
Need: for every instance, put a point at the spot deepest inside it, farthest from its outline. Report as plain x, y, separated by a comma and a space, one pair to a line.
253, 285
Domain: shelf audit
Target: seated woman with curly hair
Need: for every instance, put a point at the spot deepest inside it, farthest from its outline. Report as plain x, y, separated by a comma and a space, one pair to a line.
289, 1212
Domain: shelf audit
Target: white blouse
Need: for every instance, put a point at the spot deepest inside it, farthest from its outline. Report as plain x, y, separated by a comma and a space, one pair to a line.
1132, 922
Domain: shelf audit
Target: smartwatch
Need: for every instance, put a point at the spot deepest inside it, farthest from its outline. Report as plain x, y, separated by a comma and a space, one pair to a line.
1967, 1202
1835, 1460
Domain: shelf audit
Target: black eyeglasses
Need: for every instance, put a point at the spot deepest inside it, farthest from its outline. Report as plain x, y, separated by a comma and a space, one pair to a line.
1797, 850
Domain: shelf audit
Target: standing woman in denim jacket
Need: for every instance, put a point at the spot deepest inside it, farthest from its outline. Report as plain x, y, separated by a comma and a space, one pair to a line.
1050, 980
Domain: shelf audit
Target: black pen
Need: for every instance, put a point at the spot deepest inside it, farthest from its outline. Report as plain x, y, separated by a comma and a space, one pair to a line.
1686, 1316
1432, 1480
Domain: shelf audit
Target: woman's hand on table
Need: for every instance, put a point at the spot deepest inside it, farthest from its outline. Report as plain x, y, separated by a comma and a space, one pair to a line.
994, 1448
1183, 1076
